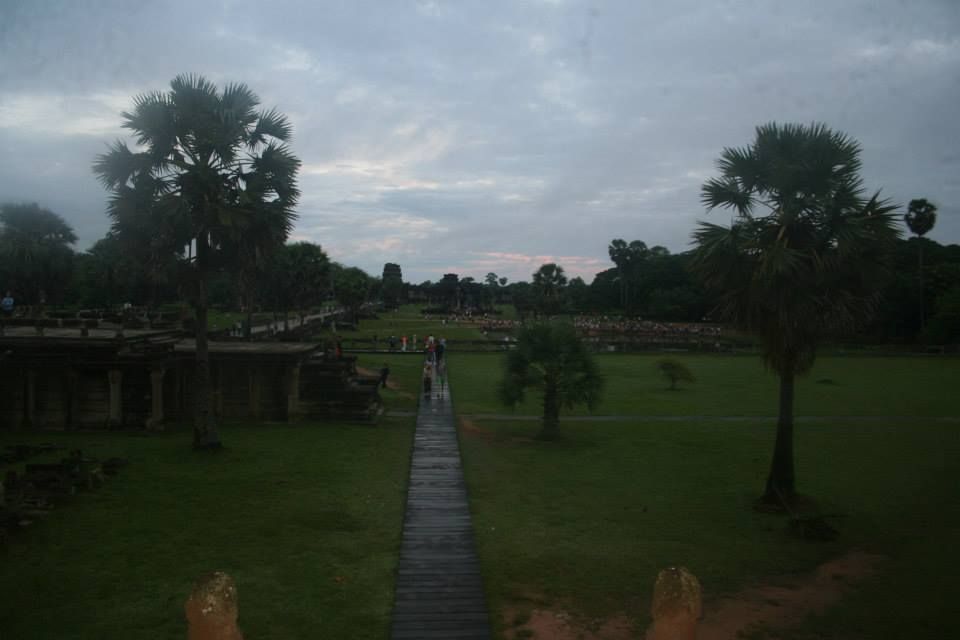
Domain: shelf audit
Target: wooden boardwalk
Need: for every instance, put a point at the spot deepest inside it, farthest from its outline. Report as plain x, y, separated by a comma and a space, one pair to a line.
439, 592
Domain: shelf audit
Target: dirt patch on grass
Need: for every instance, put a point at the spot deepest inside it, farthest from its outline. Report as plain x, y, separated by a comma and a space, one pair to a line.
559, 625
786, 602
471, 429
390, 384
778, 604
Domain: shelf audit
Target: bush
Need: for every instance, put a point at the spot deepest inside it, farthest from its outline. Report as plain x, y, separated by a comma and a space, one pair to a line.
675, 372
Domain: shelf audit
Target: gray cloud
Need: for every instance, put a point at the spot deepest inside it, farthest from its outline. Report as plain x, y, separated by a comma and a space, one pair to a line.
480, 137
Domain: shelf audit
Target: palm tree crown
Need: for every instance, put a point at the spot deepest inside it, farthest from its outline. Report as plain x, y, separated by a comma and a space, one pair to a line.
552, 358
921, 216
208, 161
805, 253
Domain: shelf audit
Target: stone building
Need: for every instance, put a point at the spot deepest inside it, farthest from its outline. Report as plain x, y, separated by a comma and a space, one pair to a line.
69, 378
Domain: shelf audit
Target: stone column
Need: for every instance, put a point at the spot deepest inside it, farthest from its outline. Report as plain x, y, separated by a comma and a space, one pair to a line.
178, 374
73, 399
216, 397
115, 376
156, 399
254, 391
293, 392
30, 399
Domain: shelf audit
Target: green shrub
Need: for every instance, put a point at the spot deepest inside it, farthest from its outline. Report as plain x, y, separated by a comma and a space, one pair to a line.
674, 372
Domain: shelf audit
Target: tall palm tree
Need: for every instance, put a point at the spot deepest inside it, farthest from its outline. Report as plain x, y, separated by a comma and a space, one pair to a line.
802, 260
548, 283
551, 357
628, 259
252, 246
920, 217
210, 162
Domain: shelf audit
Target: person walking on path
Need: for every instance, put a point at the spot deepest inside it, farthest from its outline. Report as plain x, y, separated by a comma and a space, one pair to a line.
441, 347
441, 377
403, 343
6, 311
384, 374
427, 379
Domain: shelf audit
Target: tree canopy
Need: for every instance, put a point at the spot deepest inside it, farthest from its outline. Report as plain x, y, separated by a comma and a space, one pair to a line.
351, 287
35, 253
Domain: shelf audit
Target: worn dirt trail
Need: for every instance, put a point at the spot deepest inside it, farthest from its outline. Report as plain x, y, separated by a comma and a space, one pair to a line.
777, 604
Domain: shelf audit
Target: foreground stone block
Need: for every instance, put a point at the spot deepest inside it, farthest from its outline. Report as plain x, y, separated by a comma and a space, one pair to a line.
677, 605
212, 609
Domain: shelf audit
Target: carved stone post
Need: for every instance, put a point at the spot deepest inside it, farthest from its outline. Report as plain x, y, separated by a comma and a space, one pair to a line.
115, 376
73, 399
216, 395
676, 606
254, 391
212, 609
293, 392
30, 399
156, 399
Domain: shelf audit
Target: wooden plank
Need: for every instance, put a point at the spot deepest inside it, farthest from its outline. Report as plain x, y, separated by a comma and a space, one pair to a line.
439, 590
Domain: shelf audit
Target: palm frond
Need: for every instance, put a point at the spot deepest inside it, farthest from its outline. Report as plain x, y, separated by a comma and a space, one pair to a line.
741, 165
238, 103
270, 124
726, 193
120, 165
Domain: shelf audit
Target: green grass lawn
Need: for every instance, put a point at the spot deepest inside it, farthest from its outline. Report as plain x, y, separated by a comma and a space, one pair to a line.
407, 321
403, 384
584, 525
306, 518
737, 385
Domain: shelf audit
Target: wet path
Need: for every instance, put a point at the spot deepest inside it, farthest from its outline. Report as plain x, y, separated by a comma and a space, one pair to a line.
439, 592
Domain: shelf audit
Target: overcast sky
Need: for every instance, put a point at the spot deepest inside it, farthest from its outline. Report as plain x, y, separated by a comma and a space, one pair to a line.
471, 137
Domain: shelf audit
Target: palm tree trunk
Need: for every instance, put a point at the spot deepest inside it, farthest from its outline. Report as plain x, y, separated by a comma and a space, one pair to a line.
204, 430
551, 413
780, 482
920, 274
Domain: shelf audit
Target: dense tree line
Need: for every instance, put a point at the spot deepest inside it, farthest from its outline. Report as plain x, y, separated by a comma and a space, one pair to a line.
37, 259
37, 256
659, 285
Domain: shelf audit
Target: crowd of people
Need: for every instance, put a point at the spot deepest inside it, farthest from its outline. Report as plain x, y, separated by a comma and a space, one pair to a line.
430, 344
595, 326
601, 325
